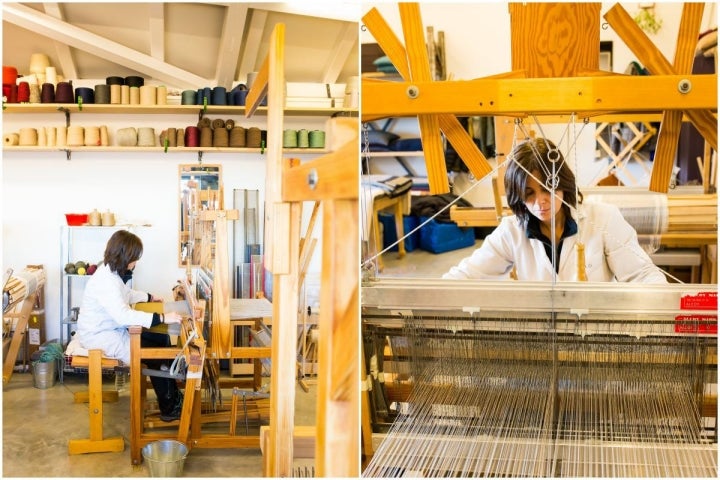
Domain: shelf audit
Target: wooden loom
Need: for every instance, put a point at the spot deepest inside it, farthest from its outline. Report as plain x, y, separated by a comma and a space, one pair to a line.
548, 85
539, 83
334, 183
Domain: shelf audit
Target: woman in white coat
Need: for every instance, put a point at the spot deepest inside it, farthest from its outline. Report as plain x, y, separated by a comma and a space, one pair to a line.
106, 314
526, 244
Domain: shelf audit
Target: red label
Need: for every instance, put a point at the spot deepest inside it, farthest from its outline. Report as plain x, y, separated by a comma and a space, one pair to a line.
696, 324
699, 301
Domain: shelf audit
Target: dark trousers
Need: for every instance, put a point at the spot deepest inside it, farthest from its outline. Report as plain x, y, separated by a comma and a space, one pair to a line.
166, 389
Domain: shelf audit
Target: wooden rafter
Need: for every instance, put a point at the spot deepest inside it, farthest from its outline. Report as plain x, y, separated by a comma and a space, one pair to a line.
67, 64
230, 43
251, 46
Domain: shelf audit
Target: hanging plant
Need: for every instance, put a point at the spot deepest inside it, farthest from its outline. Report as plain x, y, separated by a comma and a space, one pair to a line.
647, 20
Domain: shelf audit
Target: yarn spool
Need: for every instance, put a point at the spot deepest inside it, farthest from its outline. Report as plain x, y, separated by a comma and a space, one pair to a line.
161, 95
317, 139
61, 136
28, 137
10, 93
41, 137
47, 94
180, 137
146, 136
219, 96
237, 137
104, 136
92, 136
10, 75
86, 94
229, 124
148, 95
204, 122
115, 80
115, 94
192, 136
11, 140
64, 93
188, 97
75, 136
23, 92
125, 94
206, 137
126, 137
238, 97
35, 93
218, 123
253, 137
134, 81
102, 93
220, 137
38, 63
251, 79
50, 136
51, 75
171, 137
290, 139
302, 139
134, 95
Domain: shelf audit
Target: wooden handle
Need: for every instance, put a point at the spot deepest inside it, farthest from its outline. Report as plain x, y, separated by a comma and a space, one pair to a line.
581, 273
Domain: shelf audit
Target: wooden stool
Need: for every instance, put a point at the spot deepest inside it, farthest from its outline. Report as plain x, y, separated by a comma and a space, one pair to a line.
95, 396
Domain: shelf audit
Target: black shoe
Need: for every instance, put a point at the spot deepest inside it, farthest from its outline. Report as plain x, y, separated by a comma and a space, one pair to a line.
176, 411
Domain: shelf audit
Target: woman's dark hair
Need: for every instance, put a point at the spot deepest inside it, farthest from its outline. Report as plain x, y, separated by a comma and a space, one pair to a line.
122, 249
527, 157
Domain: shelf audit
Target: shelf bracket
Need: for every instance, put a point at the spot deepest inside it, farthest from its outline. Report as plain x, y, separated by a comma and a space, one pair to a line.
68, 154
200, 155
66, 111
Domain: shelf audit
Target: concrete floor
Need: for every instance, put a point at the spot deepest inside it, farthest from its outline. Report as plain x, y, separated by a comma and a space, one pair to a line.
37, 425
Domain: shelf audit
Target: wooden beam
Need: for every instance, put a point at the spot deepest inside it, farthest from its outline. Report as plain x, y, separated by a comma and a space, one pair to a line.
251, 46
539, 95
230, 44
345, 42
73, 36
65, 59
156, 27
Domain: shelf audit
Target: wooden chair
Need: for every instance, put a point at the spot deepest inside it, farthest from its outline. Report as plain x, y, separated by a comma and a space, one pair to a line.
95, 396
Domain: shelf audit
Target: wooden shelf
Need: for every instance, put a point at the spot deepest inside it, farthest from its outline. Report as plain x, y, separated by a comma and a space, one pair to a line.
399, 153
158, 149
35, 108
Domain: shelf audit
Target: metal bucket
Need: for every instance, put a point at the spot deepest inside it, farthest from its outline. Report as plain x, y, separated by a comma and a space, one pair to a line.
44, 374
165, 458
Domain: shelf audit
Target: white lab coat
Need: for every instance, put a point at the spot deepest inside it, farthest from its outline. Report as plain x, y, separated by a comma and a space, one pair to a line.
612, 252
106, 314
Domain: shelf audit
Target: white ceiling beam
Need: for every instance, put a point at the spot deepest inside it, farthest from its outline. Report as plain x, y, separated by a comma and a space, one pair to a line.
251, 49
346, 41
67, 64
73, 36
157, 31
347, 10
230, 43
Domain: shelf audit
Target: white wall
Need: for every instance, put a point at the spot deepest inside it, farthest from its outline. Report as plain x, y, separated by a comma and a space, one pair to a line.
38, 188
477, 44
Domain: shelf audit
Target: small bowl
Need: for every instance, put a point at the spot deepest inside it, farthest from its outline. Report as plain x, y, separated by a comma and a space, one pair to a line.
76, 219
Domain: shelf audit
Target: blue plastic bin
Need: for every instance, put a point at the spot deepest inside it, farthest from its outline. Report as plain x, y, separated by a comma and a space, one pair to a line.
438, 237
390, 234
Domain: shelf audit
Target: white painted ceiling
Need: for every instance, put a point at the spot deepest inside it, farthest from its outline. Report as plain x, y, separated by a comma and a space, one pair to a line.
183, 45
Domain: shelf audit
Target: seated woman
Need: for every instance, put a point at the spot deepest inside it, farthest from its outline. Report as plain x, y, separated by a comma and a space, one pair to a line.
106, 314
525, 240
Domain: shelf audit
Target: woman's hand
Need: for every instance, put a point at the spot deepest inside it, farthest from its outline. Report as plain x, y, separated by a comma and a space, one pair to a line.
153, 298
172, 317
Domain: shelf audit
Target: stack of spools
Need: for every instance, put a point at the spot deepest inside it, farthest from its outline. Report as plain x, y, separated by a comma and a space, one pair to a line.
303, 138
38, 86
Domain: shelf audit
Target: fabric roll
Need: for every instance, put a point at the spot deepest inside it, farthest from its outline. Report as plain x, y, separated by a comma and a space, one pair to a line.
75, 136
86, 94
204, 122
47, 94
148, 95
134, 81
188, 97
219, 96
50, 136
253, 137
104, 136
35, 93
126, 137
23, 92
115, 94
115, 80
102, 93
64, 93
61, 136
161, 95
237, 137
180, 142
303, 140
192, 136
146, 136
125, 94
92, 136
134, 95
317, 139
171, 137
11, 140
28, 137
220, 137
218, 123
206, 137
